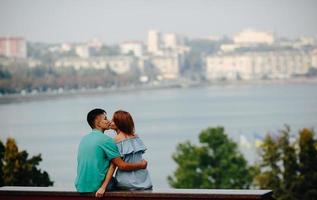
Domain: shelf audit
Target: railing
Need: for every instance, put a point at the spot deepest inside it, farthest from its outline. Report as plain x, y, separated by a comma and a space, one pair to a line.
51, 193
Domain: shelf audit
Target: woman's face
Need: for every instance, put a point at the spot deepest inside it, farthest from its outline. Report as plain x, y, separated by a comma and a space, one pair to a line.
113, 125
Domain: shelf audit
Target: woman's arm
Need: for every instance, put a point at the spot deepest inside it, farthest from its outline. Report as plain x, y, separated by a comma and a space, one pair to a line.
106, 181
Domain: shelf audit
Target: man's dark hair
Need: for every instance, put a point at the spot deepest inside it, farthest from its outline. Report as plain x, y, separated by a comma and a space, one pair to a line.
91, 116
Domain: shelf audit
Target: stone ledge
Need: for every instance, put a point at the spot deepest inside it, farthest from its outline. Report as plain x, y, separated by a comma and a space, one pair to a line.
52, 193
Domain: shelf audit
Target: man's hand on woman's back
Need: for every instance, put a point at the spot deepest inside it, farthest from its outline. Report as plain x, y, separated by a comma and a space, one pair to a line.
144, 164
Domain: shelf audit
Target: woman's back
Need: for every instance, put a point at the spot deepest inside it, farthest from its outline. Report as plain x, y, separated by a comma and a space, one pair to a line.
131, 150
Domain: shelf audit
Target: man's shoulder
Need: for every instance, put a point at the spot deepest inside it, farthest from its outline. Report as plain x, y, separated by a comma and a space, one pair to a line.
105, 138
93, 137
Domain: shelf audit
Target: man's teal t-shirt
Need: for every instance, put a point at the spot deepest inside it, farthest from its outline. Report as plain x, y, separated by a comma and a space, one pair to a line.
95, 152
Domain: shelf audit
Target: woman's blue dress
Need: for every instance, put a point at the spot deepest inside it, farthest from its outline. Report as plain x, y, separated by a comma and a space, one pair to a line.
131, 151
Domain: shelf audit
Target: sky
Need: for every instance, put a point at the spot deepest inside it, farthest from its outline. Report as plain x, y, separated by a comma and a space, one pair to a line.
115, 21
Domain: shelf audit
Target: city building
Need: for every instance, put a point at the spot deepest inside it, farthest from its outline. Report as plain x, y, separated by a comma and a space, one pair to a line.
94, 46
132, 47
166, 44
33, 62
121, 64
250, 36
303, 42
95, 43
229, 47
314, 58
82, 51
13, 47
118, 64
168, 66
228, 67
171, 40
153, 41
65, 47
257, 65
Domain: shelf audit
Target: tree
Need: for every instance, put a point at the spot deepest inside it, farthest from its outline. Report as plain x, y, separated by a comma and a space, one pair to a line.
269, 169
307, 156
19, 170
2, 148
216, 163
288, 168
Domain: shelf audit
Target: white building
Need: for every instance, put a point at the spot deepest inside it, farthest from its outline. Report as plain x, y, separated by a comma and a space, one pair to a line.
229, 47
121, 64
314, 58
82, 51
171, 40
65, 47
168, 66
229, 67
153, 41
33, 62
137, 48
257, 65
95, 43
250, 36
118, 64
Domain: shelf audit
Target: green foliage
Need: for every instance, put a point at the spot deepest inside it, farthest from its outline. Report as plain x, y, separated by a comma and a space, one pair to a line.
4, 74
2, 150
204, 46
307, 179
216, 163
44, 78
109, 51
193, 66
19, 170
288, 168
5, 79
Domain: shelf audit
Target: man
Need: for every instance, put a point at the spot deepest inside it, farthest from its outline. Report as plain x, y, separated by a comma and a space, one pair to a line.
95, 152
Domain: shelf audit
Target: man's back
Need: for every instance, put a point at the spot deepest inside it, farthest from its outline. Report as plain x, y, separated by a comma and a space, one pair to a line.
95, 152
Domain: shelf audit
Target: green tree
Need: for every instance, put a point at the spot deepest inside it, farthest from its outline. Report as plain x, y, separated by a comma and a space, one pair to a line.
2, 148
307, 180
288, 168
269, 169
19, 170
216, 163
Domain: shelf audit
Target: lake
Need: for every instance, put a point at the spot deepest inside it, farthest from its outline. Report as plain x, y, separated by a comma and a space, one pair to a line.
163, 118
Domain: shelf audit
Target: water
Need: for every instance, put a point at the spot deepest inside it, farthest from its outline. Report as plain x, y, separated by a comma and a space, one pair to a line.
163, 119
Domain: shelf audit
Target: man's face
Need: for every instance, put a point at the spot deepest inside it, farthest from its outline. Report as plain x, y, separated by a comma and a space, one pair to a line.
103, 122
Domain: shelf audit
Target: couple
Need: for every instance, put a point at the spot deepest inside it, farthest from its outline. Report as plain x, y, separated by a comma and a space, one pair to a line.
99, 155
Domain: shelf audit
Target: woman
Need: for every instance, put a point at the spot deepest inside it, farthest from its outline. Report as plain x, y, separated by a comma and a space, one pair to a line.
131, 149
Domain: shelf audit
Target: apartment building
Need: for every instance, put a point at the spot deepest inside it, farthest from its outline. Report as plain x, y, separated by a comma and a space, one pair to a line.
257, 65
13, 47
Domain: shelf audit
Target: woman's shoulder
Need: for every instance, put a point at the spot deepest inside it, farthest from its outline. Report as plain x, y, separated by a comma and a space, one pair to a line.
131, 145
118, 138
122, 137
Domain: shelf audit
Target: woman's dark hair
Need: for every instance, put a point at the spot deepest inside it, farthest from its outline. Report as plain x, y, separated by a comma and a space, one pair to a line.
91, 116
124, 122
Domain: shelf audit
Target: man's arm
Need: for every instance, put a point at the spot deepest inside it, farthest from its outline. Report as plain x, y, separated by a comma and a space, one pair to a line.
105, 183
129, 166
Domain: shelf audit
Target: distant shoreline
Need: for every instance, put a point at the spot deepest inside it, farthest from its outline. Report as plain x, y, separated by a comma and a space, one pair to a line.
18, 98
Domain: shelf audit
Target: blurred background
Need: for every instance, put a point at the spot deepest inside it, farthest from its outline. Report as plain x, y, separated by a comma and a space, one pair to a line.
178, 67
